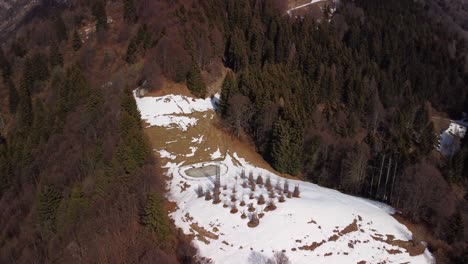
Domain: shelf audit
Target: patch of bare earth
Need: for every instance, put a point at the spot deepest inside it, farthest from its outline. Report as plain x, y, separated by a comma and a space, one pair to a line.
202, 234
312, 246
412, 248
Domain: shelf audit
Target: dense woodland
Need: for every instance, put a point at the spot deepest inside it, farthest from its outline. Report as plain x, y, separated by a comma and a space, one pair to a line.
345, 103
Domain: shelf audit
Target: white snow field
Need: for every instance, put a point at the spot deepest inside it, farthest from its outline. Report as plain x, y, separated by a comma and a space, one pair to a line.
320, 226
168, 111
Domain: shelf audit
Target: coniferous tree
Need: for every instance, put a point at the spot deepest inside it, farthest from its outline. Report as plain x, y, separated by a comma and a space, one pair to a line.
132, 49
226, 91
55, 56
60, 28
195, 81
156, 220
130, 14
99, 13
76, 41
48, 204
13, 97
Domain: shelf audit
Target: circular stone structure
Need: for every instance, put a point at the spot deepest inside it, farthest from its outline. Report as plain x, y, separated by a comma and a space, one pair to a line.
202, 170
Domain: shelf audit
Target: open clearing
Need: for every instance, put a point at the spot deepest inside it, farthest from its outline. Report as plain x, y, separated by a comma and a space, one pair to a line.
249, 219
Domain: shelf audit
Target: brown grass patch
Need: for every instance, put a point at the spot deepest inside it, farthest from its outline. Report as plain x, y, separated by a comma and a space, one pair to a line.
353, 227
203, 232
184, 187
328, 254
312, 221
393, 251
312, 246
333, 238
412, 248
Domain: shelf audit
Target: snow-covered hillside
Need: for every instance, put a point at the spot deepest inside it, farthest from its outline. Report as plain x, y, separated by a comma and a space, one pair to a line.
319, 226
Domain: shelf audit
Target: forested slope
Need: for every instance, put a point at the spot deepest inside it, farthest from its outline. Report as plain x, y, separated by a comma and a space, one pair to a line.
345, 104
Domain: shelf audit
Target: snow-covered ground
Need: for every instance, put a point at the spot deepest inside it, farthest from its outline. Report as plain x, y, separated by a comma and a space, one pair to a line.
321, 226
171, 110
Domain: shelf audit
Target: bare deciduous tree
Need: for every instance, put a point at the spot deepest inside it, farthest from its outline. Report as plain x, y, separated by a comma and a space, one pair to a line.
239, 115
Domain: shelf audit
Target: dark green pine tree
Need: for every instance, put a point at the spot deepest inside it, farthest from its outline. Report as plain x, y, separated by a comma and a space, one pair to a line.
424, 128
5, 66
13, 97
55, 56
60, 28
48, 204
286, 148
76, 44
132, 151
130, 14
455, 228
132, 49
156, 220
280, 146
99, 13
25, 111
195, 81
227, 90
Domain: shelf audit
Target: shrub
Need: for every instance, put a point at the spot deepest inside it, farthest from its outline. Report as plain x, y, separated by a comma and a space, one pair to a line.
208, 195
296, 192
259, 180
200, 191
261, 200
268, 184
286, 187
271, 205
254, 220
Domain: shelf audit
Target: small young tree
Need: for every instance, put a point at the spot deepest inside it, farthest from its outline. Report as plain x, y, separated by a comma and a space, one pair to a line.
200, 192
296, 192
261, 200
208, 195
216, 198
242, 203
243, 215
251, 196
251, 208
289, 194
253, 187
280, 258
268, 184
233, 197
286, 187
271, 205
225, 204
251, 179
245, 185
271, 194
254, 220
234, 208
260, 180
243, 174
278, 187
281, 199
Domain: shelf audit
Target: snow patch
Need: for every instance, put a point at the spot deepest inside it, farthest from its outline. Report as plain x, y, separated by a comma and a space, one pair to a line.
166, 154
216, 154
171, 110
